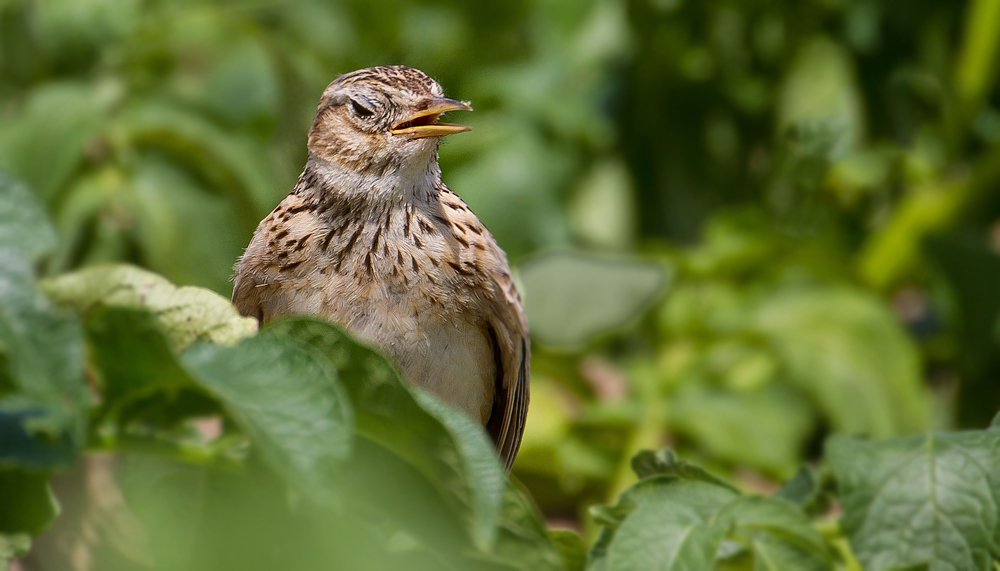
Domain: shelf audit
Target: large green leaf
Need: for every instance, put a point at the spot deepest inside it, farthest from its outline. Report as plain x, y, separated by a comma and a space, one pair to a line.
42, 406
571, 297
929, 500
185, 313
288, 401
441, 444
845, 350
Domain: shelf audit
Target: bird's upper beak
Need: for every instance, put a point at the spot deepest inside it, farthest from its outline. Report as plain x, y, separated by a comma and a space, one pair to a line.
424, 123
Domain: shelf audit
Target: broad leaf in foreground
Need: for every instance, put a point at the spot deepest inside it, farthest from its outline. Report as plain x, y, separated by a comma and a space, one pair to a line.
931, 500
451, 452
185, 313
286, 399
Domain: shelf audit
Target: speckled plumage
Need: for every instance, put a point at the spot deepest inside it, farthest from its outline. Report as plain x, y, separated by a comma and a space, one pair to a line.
371, 238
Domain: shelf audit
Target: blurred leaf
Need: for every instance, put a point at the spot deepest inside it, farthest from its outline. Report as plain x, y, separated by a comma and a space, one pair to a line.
446, 448
820, 88
45, 142
614, 291
804, 490
286, 398
186, 313
26, 504
923, 500
522, 539
571, 548
197, 517
42, 421
24, 225
187, 231
133, 359
243, 84
234, 165
602, 212
851, 356
764, 428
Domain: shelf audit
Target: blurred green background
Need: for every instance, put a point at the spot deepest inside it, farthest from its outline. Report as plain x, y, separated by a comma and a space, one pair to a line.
789, 208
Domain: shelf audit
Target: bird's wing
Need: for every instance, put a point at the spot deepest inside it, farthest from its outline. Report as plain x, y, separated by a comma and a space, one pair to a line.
510, 401
509, 336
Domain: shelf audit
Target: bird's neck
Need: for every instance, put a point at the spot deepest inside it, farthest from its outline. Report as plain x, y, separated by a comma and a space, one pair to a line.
412, 181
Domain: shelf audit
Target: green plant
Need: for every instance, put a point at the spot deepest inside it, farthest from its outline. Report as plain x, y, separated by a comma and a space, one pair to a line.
323, 456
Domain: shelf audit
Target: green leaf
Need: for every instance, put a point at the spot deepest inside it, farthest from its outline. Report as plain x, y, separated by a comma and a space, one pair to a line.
681, 517
185, 313
666, 528
571, 548
647, 464
42, 389
42, 421
286, 398
523, 539
779, 535
613, 290
236, 165
849, 353
932, 499
453, 453
26, 504
765, 427
805, 490
24, 224
133, 361
820, 88
45, 141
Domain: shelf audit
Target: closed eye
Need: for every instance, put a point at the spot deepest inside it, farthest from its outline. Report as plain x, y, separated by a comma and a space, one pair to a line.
361, 109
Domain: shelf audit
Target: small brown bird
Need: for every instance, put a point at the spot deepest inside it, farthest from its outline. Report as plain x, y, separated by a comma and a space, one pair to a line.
372, 239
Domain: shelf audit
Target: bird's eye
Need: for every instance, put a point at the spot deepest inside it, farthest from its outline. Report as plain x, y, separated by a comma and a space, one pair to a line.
362, 107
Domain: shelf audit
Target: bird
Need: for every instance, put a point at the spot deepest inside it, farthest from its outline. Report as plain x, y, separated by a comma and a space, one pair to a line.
372, 239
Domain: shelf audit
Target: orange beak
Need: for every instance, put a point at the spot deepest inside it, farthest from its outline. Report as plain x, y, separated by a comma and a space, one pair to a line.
424, 123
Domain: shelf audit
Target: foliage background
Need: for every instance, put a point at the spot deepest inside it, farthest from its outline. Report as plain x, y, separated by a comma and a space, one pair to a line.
794, 204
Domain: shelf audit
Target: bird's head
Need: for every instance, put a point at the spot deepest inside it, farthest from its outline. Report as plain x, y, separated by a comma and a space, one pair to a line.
378, 117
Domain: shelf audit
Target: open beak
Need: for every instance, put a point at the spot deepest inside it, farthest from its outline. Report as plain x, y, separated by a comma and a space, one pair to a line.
424, 123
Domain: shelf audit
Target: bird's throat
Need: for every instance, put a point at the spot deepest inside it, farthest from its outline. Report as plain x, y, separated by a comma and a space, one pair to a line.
411, 180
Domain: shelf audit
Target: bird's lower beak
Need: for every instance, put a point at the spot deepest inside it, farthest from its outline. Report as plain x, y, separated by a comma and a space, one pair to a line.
424, 122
